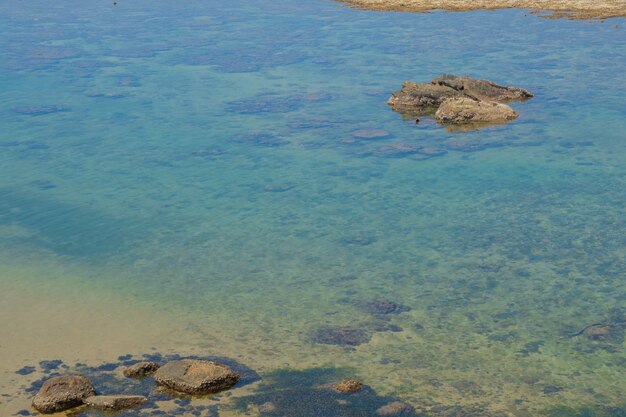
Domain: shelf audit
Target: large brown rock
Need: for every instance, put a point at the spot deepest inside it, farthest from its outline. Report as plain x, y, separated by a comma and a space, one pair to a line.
196, 376
422, 99
62, 393
464, 110
114, 402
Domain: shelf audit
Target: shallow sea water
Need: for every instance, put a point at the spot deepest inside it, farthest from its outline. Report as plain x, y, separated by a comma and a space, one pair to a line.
186, 180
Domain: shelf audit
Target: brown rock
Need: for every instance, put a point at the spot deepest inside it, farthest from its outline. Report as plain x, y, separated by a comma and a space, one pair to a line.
463, 110
141, 369
396, 408
420, 99
482, 89
62, 393
349, 386
196, 376
114, 402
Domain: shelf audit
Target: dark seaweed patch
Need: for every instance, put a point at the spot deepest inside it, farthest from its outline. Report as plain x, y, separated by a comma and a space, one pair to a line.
307, 394
345, 336
261, 139
383, 307
26, 370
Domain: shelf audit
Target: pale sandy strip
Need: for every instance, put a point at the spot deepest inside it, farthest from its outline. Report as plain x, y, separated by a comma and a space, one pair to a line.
574, 9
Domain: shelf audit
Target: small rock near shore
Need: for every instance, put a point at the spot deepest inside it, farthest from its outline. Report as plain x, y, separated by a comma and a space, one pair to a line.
114, 402
141, 369
62, 393
196, 377
348, 386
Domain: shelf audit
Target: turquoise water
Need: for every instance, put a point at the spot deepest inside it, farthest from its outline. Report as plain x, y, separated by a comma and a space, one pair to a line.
202, 158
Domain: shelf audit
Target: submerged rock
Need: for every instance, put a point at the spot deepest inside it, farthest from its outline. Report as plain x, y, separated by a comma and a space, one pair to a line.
40, 110
348, 386
396, 408
464, 110
383, 307
63, 393
370, 134
346, 336
195, 377
114, 402
141, 369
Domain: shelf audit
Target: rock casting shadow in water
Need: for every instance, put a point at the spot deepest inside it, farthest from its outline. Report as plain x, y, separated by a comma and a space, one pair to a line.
342, 336
107, 382
309, 393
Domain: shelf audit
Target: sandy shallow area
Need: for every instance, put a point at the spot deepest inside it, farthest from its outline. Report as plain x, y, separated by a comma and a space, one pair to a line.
573, 9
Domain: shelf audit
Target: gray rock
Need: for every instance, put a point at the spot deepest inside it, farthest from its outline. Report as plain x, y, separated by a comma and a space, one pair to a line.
114, 402
196, 376
62, 393
141, 369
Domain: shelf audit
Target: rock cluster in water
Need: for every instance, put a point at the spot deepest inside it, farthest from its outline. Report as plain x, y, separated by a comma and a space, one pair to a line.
187, 376
456, 100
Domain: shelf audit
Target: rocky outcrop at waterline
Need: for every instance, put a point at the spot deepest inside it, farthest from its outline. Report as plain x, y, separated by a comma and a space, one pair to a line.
453, 100
177, 378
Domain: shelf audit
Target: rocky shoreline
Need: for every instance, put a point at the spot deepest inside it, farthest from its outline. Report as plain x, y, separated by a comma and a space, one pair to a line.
570, 9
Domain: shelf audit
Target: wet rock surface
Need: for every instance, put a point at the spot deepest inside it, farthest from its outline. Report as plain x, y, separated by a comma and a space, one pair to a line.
141, 369
114, 402
196, 376
458, 100
63, 393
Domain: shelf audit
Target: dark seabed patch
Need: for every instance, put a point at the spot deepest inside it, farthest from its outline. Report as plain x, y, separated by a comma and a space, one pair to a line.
343, 336
309, 393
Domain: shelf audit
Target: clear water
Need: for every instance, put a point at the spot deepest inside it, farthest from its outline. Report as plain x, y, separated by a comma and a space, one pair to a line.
204, 163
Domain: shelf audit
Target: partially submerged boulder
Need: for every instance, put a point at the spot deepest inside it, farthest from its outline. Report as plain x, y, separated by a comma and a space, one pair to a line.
196, 377
62, 393
141, 369
396, 408
463, 99
114, 402
464, 110
348, 386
